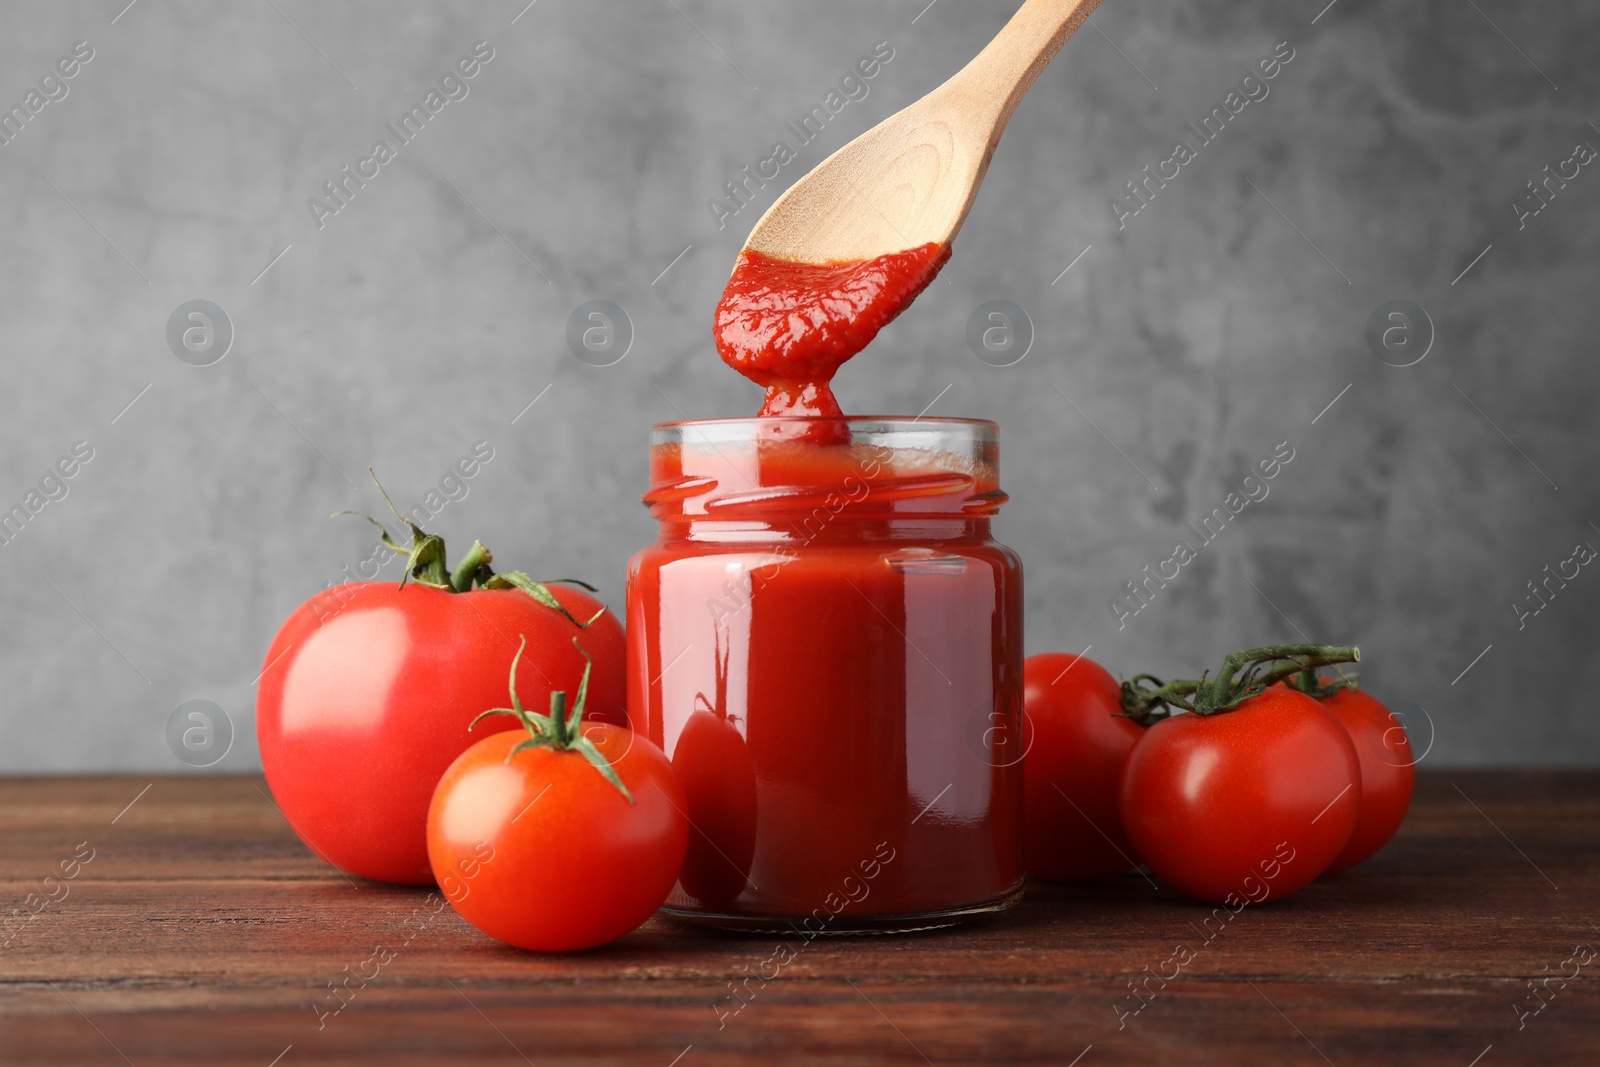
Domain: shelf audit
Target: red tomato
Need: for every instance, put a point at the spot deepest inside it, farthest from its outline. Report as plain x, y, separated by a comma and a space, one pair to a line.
367, 692
1072, 828
1246, 805
713, 765
539, 849
1388, 772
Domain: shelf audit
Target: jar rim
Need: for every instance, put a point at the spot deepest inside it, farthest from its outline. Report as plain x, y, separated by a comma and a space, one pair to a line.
864, 466
862, 427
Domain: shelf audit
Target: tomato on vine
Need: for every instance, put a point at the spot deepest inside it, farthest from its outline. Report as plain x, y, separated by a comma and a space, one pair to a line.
1252, 794
1388, 770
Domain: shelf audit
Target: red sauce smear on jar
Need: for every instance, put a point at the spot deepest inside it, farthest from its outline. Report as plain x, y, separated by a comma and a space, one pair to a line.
789, 326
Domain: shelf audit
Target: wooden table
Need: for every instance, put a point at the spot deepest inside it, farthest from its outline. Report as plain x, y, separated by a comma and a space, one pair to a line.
201, 931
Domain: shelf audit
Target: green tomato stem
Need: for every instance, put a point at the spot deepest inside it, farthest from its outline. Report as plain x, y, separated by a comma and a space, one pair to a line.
467, 570
426, 564
1260, 668
559, 731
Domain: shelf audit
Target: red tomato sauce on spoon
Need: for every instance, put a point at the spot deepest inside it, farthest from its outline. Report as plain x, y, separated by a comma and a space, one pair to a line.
789, 326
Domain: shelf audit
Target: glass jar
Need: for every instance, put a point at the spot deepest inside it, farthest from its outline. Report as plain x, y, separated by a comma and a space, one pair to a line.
827, 643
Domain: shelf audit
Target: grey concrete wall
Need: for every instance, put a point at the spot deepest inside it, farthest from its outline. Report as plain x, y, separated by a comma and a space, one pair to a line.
1183, 345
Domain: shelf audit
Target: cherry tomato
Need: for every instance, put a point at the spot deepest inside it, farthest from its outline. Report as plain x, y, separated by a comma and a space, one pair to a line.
561, 840
1246, 805
1388, 772
718, 775
1072, 828
369, 687
713, 765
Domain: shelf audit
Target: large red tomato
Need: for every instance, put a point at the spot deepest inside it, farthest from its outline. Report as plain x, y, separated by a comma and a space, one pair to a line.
1388, 772
1071, 825
1244, 805
367, 692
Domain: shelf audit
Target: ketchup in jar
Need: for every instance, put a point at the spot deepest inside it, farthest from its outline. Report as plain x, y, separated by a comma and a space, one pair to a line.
827, 643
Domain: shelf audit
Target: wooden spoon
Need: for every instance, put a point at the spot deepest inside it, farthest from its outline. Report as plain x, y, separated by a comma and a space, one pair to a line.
851, 244
911, 179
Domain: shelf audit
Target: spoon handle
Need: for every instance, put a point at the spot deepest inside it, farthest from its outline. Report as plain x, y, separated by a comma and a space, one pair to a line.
1006, 68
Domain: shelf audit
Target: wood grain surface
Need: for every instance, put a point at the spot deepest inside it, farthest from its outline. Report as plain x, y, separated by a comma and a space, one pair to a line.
201, 931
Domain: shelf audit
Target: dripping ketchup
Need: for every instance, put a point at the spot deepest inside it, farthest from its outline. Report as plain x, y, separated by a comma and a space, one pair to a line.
789, 326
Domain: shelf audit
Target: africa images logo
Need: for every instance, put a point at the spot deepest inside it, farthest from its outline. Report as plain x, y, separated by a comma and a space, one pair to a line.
1253, 87
343, 187
853, 87
52, 88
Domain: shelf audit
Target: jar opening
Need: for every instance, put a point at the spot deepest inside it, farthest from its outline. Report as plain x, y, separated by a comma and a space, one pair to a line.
861, 466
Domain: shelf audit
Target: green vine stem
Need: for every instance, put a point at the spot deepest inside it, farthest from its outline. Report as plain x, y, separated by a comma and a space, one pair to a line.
1313, 684
1243, 675
557, 731
1147, 703
426, 565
